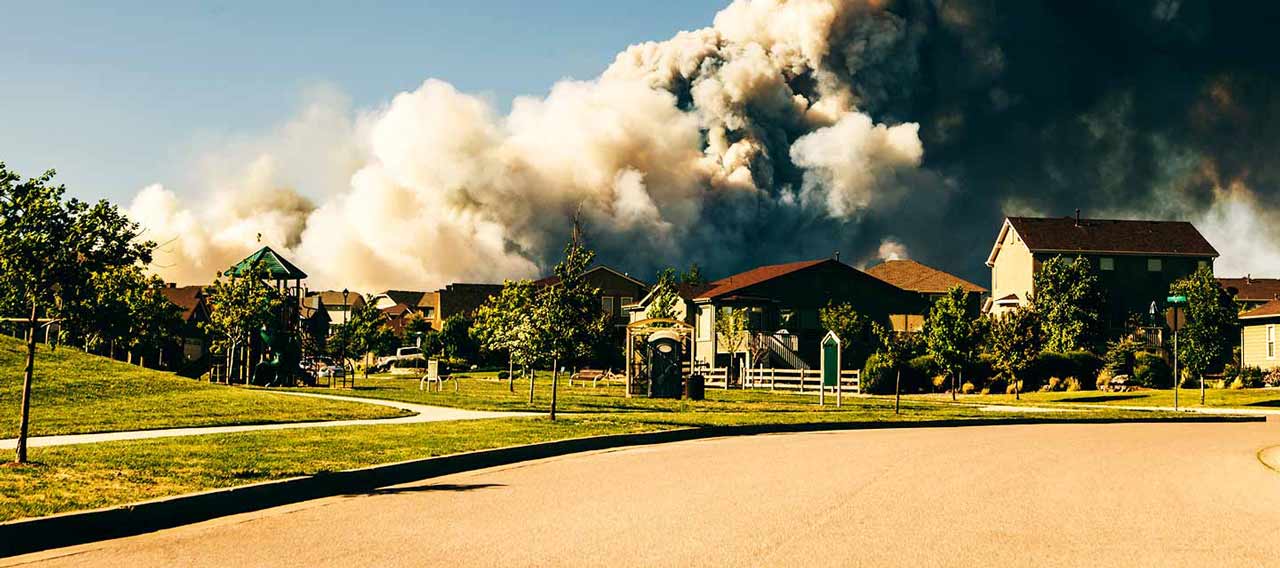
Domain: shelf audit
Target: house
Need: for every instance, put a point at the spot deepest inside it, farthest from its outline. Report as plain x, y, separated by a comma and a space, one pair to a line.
783, 301
315, 319
437, 306
1250, 292
1259, 328
337, 306
684, 307
191, 346
617, 289
930, 283
1136, 261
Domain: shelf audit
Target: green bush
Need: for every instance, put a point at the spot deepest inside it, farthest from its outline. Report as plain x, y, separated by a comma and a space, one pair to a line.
1272, 378
1086, 367
1120, 355
1151, 371
1072, 384
504, 375
1049, 365
967, 388
877, 377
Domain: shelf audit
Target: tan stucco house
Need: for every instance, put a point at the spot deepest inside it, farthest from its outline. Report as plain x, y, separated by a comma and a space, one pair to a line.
1259, 331
1136, 260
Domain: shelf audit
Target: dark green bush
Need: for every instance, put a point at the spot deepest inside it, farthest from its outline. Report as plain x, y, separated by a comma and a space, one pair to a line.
504, 375
1086, 366
1151, 371
878, 378
1120, 354
1082, 365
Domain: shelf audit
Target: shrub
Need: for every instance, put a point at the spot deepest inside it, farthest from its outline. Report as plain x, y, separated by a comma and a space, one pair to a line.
1120, 356
503, 375
967, 388
1151, 371
1272, 378
1103, 382
1086, 366
877, 377
1053, 384
1250, 378
1072, 384
1238, 383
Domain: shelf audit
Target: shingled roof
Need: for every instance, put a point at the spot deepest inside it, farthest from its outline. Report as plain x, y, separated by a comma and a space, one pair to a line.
1114, 236
731, 284
186, 297
278, 267
1250, 289
911, 275
1267, 310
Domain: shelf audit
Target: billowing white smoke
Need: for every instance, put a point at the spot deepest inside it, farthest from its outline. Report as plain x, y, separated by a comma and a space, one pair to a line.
692, 148
1244, 233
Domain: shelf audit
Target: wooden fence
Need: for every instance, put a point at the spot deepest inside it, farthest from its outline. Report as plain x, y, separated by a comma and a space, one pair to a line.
798, 380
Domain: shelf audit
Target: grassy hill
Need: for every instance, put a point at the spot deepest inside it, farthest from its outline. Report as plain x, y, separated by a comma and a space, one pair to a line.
75, 393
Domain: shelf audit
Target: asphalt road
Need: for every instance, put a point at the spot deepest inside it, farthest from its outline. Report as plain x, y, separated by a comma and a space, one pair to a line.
1043, 495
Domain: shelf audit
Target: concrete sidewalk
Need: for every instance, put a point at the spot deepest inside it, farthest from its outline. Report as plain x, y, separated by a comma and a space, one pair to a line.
422, 413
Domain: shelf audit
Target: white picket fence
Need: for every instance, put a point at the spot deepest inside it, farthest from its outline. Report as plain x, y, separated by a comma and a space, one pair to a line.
798, 380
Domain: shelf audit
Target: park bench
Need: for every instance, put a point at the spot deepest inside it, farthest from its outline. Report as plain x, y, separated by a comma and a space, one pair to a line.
593, 375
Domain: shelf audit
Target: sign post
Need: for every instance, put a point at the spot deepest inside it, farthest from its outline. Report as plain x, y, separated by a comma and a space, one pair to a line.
830, 365
1176, 317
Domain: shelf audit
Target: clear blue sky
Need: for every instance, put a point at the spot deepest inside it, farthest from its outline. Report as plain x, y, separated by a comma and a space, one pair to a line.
118, 95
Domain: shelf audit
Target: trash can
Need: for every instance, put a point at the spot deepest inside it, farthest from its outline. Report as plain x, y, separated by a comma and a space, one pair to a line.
695, 387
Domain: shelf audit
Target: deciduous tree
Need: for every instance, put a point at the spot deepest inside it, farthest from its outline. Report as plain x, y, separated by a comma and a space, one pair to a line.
665, 296
1069, 300
569, 311
950, 334
1015, 342
1205, 342
507, 322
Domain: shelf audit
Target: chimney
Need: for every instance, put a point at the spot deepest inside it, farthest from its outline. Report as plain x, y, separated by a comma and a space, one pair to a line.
1077, 217
837, 256
1248, 279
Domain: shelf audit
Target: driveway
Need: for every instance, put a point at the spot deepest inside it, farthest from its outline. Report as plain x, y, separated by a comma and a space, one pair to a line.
1031, 495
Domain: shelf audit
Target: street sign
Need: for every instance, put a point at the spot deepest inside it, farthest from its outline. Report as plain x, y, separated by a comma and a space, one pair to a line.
1176, 317
1176, 299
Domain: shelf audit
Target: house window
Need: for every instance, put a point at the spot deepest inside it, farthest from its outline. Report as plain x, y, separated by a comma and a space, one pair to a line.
994, 282
1106, 263
606, 304
1154, 265
1271, 342
627, 301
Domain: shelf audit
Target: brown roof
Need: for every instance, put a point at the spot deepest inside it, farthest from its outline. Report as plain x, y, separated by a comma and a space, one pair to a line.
333, 298
553, 279
1269, 309
1066, 234
408, 297
186, 297
1252, 289
911, 275
731, 284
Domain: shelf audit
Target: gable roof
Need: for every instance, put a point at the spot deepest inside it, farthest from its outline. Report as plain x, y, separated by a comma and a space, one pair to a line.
189, 298
1267, 310
1115, 236
332, 299
911, 275
277, 266
686, 291
1251, 289
731, 284
407, 297
553, 279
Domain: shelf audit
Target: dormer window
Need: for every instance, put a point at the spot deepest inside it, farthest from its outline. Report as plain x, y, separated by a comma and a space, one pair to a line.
1154, 265
1106, 263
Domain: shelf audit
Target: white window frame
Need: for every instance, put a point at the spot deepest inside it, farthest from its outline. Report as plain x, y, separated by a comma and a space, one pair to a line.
1271, 341
606, 304
627, 301
1155, 265
1107, 264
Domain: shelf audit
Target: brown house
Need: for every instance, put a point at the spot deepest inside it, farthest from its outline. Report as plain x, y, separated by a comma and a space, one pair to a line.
437, 306
617, 289
1136, 261
1250, 292
927, 281
191, 346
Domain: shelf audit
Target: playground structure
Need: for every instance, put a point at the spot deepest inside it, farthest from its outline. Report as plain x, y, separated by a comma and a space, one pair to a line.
656, 353
272, 356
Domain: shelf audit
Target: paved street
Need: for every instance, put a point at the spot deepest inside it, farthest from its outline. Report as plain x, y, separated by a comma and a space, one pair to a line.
1043, 495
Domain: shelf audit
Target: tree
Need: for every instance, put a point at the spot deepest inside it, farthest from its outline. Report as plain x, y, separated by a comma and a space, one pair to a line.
153, 319
366, 333
896, 348
693, 276
1069, 301
456, 341
731, 331
665, 296
416, 324
851, 327
507, 322
238, 308
569, 311
1015, 341
1205, 341
49, 250
950, 334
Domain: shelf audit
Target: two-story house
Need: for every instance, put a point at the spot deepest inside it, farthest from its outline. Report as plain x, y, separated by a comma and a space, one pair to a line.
1136, 261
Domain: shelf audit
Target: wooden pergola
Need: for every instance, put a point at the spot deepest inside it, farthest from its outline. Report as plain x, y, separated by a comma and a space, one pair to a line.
641, 331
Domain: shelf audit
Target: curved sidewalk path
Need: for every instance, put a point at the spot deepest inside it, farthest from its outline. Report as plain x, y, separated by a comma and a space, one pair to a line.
422, 413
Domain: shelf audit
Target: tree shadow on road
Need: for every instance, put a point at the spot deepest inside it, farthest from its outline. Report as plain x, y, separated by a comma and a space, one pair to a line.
433, 488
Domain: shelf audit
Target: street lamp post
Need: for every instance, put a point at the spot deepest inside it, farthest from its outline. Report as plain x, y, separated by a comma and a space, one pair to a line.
346, 319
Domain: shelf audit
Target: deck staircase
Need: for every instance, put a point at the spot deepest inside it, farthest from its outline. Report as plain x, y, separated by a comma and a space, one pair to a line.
777, 350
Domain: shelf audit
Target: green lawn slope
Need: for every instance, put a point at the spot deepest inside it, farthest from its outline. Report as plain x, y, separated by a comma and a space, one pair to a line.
75, 393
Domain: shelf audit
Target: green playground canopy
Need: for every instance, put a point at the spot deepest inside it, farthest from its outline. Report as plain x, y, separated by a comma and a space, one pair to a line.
276, 265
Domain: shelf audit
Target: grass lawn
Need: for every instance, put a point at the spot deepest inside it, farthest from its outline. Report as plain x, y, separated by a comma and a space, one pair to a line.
89, 476
78, 393
1218, 398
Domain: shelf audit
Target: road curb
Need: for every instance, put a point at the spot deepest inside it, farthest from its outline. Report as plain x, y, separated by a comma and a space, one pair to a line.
68, 529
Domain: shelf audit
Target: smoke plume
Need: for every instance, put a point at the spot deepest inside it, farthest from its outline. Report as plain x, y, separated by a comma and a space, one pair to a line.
786, 130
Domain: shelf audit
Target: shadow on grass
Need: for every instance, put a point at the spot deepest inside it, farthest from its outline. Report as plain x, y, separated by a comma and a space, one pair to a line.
1266, 403
1101, 398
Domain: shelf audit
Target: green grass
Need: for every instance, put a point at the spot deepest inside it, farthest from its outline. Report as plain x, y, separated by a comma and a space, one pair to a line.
77, 393
89, 476
1215, 398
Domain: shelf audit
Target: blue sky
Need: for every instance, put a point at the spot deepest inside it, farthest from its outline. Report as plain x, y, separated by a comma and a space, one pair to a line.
118, 95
